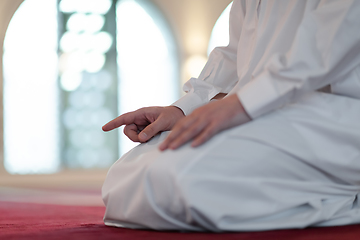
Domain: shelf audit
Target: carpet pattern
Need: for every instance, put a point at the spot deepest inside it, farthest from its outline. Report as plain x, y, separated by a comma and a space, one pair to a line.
46, 221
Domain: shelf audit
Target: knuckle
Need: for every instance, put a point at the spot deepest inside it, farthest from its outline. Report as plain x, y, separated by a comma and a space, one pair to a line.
197, 128
184, 136
205, 137
176, 129
171, 137
126, 129
149, 128
216, 122
182, 127
182, 121
196, 111
152, 128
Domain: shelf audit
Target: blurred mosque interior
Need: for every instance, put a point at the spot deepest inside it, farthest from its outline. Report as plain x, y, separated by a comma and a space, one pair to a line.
69, 66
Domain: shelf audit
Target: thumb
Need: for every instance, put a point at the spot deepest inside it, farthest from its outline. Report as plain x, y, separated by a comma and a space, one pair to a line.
151, 130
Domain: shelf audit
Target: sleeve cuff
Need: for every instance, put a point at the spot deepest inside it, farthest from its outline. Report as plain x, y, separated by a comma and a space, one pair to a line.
189, 103
199, 93
260, 96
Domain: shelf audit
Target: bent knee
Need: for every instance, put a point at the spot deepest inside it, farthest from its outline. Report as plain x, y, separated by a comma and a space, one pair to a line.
163, 189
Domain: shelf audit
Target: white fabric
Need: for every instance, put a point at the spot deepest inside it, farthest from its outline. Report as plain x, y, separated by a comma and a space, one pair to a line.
296, 164
280, 50
295, 167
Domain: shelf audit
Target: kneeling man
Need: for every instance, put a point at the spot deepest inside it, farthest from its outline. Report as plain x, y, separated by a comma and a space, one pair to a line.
267, 137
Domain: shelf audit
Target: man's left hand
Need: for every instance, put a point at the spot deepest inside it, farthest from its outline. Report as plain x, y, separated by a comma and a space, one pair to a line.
206, 121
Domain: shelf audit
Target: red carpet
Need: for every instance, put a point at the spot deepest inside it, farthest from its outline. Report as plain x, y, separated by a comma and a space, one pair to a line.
41, 221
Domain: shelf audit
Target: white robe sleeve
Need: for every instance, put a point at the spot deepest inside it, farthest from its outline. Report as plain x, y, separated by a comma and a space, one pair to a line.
326, 48
219, 73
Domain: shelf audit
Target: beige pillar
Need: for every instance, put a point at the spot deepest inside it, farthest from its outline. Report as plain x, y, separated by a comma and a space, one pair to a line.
7, 10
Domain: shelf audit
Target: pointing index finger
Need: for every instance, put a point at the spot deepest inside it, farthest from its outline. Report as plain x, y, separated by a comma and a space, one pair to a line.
125, 119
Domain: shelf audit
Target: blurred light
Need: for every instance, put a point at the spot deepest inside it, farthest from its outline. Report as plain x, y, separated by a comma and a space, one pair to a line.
70, 81
90, 99
87, 99
79, 22
67, 6
83, 42
196, 42
86, 42
194, 65
76, 99
87, 83
69, 118
220, 32
82, 118
88, 158
94, 62
85, 6
84, 47
76, 138
73, 62
69, 42
88, 138
74, 118
95, 23
95, 6
96, 99
101, 116
102, 81
102, 42
76, 22
95, 138
63, 60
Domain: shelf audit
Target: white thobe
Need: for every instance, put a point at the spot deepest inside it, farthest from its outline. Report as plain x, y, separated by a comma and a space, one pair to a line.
279, 51
297, 164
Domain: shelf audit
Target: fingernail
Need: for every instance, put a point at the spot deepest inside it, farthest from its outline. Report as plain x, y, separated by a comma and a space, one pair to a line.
143, 135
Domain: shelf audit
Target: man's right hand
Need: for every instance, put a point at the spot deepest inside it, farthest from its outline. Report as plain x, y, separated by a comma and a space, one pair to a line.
141, 125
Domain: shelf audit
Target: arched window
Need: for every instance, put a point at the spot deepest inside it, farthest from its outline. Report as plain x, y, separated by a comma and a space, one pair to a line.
31, 112
72, 65
147, 59
220, 33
